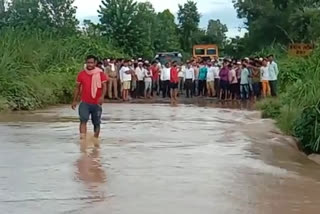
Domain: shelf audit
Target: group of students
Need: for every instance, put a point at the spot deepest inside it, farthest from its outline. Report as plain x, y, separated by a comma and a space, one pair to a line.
227, 80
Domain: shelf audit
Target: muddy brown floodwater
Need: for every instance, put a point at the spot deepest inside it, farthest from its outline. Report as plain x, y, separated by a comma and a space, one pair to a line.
153, 159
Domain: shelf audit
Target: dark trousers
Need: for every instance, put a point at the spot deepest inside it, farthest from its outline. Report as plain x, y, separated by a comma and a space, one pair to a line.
202, 87
217, 87
189, 87
273, 87
233, 90
165, 88
256, 89
238, 89
140, 88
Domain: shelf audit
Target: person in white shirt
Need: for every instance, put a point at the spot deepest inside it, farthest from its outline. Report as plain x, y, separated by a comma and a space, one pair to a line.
125, 78
165, 80
265, 78
147, 81
189, 78
210, 80
273, 72
140, 80
181, 78
216, 79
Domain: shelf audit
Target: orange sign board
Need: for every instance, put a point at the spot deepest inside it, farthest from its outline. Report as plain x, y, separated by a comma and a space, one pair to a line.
300, 49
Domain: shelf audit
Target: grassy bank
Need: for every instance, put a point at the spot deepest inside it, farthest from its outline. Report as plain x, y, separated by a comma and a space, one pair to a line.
297, 109
39, 69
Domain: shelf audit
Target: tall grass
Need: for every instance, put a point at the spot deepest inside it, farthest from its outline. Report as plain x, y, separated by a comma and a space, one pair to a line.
38, 69
297, 110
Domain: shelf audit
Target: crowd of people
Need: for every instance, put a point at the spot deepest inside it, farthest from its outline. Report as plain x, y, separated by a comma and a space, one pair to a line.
248, 78
129, 79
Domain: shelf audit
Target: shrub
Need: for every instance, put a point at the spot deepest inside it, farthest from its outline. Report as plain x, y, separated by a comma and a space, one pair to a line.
39, 69
270, 108
307, 129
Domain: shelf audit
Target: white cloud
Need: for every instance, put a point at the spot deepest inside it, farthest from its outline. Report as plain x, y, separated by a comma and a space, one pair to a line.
222, 9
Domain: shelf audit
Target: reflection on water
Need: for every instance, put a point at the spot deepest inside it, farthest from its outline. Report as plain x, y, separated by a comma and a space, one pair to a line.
154, 159
89, 169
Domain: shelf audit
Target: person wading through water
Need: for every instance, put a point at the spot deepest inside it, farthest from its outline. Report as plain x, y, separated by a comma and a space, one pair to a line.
92, 86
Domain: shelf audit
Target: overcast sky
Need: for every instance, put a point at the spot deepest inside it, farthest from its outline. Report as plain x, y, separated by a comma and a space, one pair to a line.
209, 9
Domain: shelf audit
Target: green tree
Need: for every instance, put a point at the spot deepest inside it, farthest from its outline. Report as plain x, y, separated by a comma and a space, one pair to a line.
145, 34
2, 8
189, 18
90, 29
60, 15
166, 38
24, 14
130, 25
47, 15
117, 19
280, 21
216, 32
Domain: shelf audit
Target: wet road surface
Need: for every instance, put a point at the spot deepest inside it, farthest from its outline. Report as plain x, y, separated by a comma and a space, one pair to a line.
153, 159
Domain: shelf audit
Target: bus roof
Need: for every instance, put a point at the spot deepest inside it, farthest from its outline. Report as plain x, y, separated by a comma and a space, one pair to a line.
205, 46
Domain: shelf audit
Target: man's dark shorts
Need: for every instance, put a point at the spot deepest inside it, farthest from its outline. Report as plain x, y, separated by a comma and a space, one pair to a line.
224, 85
86, 109
174, 85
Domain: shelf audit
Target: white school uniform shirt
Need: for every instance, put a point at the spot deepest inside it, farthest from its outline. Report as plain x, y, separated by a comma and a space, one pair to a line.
216, 72
189, 74
147, 77
123, 76
165, 74
181, 73
210, 74
140, 73
264, 73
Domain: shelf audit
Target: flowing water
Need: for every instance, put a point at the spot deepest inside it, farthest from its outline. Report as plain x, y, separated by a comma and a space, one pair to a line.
153, 159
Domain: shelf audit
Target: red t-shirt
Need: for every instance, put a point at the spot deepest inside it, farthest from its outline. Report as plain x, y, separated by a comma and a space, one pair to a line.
86, 81
155, 72
174, 78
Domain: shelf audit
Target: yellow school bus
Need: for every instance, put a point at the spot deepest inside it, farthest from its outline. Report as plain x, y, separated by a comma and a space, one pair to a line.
209, 51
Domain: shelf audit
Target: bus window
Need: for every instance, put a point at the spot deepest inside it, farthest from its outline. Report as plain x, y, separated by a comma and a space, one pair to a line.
199, 51
211, 51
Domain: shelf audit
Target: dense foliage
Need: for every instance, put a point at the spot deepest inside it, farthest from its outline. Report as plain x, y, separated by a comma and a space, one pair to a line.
297, 110
38, 69
276, 21
140, 31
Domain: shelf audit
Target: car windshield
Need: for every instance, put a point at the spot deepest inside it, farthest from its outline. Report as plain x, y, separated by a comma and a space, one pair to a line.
169, 58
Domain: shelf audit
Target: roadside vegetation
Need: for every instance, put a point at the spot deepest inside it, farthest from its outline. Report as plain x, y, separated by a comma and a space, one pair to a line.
38, 69
297, 109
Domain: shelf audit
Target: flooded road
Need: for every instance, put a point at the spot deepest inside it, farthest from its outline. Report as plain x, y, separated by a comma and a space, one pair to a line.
153, 159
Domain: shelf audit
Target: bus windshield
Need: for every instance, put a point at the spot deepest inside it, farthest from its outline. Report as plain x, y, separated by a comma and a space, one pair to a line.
199, 51
212, 51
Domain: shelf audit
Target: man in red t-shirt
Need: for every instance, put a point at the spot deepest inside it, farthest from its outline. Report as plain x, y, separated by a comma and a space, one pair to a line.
174, 81
92, 87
